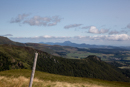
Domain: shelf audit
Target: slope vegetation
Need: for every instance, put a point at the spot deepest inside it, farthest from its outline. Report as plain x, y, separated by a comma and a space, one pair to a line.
17, 57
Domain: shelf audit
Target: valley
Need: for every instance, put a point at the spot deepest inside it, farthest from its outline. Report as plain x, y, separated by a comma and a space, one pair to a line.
110, 55
94, 63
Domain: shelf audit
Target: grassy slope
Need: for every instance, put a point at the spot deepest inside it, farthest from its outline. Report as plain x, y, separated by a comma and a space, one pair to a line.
52, 80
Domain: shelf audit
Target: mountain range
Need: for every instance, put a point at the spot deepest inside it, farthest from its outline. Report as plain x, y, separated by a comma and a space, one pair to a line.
83, 45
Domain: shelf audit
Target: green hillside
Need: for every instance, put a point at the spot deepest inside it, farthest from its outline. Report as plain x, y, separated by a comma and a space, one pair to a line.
17, 57
5, 40
21, 78
118, 57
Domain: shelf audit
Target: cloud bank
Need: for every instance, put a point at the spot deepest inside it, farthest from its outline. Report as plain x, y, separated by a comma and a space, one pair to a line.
47, 38
36, 20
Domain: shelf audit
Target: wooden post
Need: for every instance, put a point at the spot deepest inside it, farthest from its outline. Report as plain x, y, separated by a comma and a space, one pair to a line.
33, 69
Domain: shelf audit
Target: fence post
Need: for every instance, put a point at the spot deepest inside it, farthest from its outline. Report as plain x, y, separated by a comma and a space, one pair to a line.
33, 70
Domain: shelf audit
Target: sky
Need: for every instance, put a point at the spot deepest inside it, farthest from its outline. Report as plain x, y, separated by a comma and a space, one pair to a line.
99, 22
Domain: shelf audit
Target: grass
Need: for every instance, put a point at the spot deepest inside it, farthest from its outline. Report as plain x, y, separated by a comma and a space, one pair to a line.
21, 77
128, 58
80, 54
125, 67
23, 82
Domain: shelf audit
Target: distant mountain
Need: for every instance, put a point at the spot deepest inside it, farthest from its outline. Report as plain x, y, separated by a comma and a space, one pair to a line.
83, 45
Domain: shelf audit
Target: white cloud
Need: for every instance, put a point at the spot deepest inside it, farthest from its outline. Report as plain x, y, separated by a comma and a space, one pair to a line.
43, 21
94, 30
72, 26
19, 18
119, 37
36, 20
52, 24
47, 36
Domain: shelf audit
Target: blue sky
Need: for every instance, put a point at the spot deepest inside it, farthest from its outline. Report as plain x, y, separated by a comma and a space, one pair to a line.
101, 22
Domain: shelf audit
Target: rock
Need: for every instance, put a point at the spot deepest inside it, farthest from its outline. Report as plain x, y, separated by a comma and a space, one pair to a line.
94, 57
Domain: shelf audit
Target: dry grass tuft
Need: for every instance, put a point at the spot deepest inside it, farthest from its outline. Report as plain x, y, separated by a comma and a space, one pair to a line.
13, 82
21, 81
